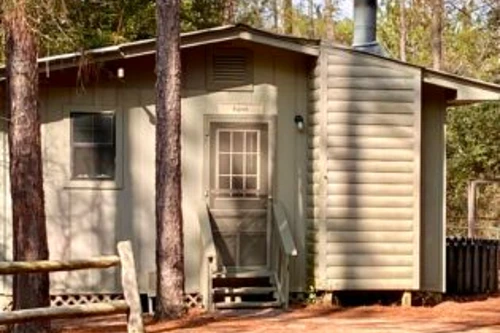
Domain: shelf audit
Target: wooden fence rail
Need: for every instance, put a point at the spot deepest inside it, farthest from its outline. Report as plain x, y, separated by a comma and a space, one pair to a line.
131, 305
471, 265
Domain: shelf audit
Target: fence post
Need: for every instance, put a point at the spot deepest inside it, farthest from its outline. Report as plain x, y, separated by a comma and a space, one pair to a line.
460, 265
495, 266
130, 289
484, 266
471, 208
491, 266
468, 266
476, 279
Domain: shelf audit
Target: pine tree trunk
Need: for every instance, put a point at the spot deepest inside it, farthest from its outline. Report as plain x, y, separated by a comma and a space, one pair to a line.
402, 28
311, 27
287, 17
437, 34
229, 11
169, 235
328, 17
28, 208
275, 16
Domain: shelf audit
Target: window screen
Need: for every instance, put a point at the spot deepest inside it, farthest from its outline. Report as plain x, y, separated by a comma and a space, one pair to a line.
93, 146
238, 160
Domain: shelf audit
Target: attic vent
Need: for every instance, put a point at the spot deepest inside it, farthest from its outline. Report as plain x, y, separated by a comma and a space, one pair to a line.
230, 68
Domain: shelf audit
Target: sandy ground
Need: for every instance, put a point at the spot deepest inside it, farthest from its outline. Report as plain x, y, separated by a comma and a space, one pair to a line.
472, 316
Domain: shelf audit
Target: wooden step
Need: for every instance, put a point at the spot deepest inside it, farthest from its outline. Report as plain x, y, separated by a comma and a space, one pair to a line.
243, 274
243, 290
248, 305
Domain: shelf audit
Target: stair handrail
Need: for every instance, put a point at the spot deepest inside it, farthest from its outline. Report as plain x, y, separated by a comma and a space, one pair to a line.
287, 247
208, 262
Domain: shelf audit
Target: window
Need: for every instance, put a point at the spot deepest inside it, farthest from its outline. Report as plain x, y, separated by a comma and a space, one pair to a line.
93, 145
238, 162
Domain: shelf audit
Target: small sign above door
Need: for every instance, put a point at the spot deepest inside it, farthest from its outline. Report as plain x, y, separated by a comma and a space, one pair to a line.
240, 109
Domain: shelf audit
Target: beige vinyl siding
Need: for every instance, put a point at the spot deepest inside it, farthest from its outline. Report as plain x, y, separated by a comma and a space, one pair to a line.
433, 189
363, 173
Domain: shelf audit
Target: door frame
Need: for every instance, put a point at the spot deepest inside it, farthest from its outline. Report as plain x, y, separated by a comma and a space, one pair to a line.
270, 120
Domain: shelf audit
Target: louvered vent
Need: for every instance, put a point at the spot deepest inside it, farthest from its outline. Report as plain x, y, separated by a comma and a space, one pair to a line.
231, 68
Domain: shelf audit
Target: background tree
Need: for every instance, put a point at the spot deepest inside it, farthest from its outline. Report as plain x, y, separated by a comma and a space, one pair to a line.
402, 27
437, 34
28, 208
169, 235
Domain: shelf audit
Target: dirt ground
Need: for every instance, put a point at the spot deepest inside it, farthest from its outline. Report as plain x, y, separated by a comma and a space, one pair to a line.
450, 316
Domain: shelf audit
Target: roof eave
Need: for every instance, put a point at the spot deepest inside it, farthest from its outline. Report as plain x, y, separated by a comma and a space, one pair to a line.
188, 40
467, 91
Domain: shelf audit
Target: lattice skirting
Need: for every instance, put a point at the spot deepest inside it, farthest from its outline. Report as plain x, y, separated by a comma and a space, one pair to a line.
80, 299
191, 300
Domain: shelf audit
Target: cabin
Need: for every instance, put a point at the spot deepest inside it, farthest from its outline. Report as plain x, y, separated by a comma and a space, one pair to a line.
305, 165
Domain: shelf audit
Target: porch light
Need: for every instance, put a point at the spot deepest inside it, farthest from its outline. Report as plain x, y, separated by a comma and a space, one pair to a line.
120, 73
299, 121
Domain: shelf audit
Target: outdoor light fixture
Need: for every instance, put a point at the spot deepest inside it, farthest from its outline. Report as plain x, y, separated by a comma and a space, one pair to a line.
120, 73
299, 121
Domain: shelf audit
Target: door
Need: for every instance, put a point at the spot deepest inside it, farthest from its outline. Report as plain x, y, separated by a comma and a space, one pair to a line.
238, 194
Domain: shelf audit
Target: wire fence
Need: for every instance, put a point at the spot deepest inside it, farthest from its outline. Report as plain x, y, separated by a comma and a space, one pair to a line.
486, 228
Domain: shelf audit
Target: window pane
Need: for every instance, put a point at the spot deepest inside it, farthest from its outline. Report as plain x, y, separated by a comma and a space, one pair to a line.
94, 162
238, 141
251, 141
251, 164
237, 183
91, 127
82, 127
224, 141
104, 128
105, 162
237, 164
93, 145
224, 183
251, 183
224, 167
84, 163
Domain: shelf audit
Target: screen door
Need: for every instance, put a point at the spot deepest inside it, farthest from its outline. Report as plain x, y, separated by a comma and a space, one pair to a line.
239, 169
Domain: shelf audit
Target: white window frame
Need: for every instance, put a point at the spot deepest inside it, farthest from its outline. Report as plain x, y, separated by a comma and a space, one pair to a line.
244, 153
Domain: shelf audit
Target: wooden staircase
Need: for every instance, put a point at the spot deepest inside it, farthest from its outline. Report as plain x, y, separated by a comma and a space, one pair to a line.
251, 288
245, 290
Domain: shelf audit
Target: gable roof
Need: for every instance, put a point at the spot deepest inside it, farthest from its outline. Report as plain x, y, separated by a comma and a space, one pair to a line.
188, 39
467, 90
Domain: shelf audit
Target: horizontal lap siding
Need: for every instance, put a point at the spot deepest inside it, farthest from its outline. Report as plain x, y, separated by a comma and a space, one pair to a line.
363, 173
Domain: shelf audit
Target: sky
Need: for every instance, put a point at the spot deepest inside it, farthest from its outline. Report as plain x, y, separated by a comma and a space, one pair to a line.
346, 7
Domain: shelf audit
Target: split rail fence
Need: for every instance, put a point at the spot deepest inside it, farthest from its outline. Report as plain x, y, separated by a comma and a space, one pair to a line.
131, 305
472, 265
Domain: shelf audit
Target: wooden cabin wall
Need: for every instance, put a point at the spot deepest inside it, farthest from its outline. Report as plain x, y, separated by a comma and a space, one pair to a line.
87, 220
278, 92
364, 173
5, 200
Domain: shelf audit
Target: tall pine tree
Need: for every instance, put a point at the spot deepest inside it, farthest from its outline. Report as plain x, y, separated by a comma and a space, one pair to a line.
169, 235
26, 177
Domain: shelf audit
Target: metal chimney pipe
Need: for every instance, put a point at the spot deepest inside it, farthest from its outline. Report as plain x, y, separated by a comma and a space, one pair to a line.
365, 25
